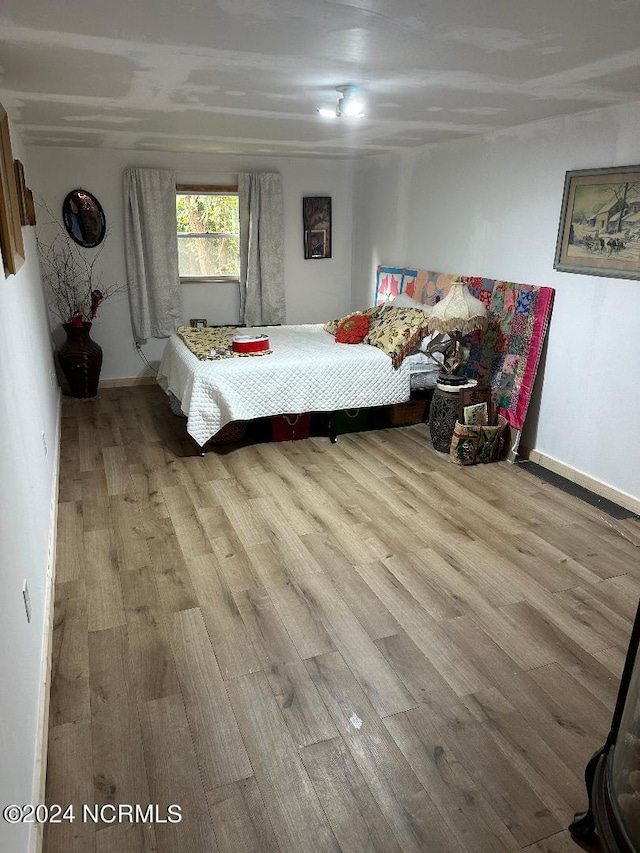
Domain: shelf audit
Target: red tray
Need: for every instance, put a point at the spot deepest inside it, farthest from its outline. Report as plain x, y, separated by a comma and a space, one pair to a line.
250, 343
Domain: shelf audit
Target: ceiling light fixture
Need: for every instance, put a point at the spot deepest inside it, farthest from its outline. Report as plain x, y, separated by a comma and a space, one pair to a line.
350, 104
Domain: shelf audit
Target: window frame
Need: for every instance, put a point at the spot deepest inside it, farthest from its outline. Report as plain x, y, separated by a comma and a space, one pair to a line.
208, 189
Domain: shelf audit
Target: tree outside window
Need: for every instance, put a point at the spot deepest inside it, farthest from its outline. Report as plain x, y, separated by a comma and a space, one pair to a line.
208, 235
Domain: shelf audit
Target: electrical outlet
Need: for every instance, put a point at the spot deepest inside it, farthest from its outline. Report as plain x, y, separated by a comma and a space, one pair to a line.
44, 443
27, 600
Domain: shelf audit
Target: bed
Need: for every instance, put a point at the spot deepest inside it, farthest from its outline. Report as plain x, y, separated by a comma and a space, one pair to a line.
306, 371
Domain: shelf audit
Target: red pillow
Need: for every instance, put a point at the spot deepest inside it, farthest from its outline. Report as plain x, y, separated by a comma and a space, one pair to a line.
353, 329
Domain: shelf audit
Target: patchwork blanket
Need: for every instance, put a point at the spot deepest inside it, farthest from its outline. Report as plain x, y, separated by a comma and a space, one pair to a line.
507, 355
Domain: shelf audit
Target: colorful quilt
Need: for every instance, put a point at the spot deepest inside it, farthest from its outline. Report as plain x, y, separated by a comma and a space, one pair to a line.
507, 355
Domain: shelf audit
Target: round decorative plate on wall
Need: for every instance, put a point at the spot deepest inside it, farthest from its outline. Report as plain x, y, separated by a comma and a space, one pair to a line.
83, 218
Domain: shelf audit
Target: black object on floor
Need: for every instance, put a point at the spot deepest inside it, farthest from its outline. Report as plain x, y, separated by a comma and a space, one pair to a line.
577, 491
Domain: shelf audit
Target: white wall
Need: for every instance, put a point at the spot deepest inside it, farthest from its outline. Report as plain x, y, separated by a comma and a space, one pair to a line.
490, 206
316, 290
28, 421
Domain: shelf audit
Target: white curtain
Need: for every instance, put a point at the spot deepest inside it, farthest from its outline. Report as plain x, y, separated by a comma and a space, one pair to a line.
151, 252
262, 300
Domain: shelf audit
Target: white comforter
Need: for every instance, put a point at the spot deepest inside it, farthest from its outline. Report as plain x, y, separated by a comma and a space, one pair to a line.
307, 371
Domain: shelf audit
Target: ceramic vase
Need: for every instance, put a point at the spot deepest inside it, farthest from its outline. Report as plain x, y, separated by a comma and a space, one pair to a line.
80, 359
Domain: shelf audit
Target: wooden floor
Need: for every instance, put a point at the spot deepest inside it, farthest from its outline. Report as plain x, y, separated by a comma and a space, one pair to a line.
317, 647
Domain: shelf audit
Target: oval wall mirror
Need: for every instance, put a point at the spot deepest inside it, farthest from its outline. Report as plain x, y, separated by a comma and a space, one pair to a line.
83, 218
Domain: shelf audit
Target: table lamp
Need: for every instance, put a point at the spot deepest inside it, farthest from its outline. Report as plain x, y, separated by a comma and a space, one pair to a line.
457, 315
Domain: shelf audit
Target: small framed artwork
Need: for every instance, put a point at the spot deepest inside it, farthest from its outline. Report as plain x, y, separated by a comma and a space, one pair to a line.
316, 219
198, 323
11, 242
599, 232
474, 398
30, 206
22, 192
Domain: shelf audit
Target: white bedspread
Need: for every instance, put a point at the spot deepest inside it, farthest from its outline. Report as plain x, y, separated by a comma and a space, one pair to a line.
307, 371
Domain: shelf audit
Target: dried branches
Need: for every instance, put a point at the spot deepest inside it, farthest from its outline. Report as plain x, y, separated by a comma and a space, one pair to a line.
69, 274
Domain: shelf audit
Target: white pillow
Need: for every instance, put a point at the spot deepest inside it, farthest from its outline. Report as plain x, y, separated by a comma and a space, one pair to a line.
403, 300
424, 343
418, 358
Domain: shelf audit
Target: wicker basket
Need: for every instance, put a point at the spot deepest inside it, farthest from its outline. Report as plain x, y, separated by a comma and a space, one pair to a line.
230, 433
406, 414
475, 443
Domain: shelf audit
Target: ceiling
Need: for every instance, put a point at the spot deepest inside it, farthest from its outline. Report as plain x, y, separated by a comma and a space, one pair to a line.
246, 76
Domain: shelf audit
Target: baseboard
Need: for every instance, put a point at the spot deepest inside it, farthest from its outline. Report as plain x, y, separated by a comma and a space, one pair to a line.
147, 379
596, 486
42, 733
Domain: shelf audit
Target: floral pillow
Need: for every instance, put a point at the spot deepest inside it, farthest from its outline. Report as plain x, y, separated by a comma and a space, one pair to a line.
332, 325
352, 330
398, 331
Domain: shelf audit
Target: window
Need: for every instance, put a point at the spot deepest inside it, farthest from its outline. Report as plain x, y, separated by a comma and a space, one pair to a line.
208, 233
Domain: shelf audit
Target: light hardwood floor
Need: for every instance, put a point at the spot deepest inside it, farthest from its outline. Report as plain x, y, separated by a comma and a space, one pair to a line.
315, 647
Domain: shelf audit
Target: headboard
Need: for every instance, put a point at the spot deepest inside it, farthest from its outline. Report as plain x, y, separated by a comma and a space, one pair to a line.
508, 353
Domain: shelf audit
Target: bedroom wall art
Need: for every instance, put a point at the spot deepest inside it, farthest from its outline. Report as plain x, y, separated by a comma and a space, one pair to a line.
316, 219
22, 192
599, 231
83, 218
10, 226
30, 206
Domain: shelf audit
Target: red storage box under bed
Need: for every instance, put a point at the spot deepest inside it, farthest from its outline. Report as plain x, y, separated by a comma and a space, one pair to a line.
290, 427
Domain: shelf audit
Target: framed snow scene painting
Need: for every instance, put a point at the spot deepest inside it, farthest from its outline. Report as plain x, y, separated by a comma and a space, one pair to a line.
599, 231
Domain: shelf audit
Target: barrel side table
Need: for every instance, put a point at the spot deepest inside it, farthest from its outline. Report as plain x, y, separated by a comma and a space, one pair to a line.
443, 413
